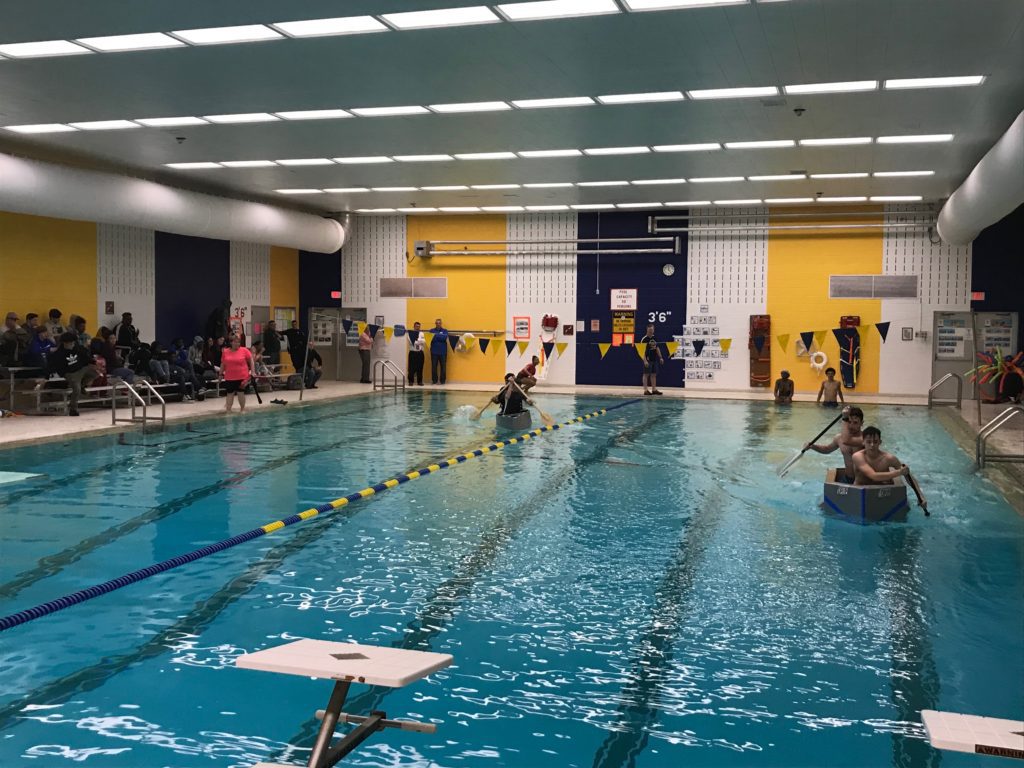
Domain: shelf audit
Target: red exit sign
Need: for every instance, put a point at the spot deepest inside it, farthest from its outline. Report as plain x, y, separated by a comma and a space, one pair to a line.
335, 294
977, 295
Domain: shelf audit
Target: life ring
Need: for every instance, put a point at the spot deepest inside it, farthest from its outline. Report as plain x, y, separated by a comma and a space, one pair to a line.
465, 341
819, 360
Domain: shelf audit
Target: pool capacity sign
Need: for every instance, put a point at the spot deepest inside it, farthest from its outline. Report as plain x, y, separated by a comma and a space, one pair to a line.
623, 302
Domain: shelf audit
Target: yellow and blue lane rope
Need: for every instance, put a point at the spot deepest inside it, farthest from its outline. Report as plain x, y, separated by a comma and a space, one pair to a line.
45, 609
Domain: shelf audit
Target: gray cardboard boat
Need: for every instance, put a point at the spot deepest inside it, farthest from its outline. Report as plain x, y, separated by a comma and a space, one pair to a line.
521, 420
865, 504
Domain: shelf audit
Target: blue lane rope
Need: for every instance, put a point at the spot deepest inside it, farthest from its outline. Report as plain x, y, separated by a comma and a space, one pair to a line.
45, 609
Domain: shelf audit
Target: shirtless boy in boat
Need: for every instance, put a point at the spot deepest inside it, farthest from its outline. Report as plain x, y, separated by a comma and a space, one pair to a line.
848, 441
873, 466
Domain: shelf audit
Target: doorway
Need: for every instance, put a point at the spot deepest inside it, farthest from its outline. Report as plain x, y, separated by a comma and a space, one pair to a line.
339, 350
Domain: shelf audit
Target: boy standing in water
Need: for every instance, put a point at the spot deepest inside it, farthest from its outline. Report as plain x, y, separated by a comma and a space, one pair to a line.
831, 389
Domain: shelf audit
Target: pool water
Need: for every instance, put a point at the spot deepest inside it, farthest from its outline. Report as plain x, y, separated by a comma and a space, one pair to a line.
637, 590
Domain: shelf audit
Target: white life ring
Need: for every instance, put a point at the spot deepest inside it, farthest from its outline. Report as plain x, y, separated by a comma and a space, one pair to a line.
819, 360
464, 341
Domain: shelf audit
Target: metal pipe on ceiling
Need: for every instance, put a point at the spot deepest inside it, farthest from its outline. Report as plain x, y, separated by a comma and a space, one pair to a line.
793, 227
549, 242
616, 252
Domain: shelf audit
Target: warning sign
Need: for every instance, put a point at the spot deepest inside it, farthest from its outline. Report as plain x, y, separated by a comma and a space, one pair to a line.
623, 322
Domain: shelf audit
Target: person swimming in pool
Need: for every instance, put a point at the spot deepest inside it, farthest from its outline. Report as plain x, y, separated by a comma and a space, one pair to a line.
848, 441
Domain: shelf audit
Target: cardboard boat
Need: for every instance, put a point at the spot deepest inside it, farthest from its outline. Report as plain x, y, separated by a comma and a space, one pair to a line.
521, 420
865, 504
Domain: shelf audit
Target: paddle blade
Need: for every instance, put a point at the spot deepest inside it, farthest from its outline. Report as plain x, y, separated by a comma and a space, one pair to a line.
781, 472
548, 421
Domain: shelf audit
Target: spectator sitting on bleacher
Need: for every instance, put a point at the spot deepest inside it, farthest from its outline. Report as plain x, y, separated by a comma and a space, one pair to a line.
180, 362
53, 323
14, 342
39, 351
139, 359
73, 363
259, 366
104, 345
126, 333
31, 324
212, 353
76, 324
197, 356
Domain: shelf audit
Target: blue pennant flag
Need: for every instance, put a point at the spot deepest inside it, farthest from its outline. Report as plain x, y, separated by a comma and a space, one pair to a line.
698, 346
453, 341
807, 337
372, 330
549, 346
483, 344
883, 330
347, 324
509, 346
413, 335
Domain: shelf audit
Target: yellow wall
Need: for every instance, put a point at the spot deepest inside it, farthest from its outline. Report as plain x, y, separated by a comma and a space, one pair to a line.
476, 290
799, 266
48, 263
284, 285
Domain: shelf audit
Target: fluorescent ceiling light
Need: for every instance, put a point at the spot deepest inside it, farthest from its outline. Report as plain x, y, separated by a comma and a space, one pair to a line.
922, 139
556, 9
848, 87
592, 207
688, 203
704, 147
443, 17
417, 210
494, 186
893, 174
42, 48
641, 98
734, 93
375, 210
772, 144
363, 160
390, 111
934, 82
105, 125
460, 209
565, 101
193, 166
547, 207
423, 158
446, 188
658, 181
779, 177
486, 156
838, 142
299, 191
242, 117
41, 128
348, 25
749, 201
169, 122
549, 185
314, 114
306, 161
788, 200
246, 33
856, 175
502, 208
896, 198
668, 5
142, 42
617, 151
550, 153
394, 189
346, 190
470, 106
638, 205
853, 199
247, 163
602, 183
714, 179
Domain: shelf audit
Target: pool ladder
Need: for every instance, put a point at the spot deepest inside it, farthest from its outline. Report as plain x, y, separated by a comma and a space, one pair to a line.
135, 399
382, 369
932, 400
981, 454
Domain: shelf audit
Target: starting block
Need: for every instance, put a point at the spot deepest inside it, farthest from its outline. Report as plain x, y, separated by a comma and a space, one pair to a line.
347, 663
970, 733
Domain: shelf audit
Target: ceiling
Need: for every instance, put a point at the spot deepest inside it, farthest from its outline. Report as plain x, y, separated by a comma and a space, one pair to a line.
751, 44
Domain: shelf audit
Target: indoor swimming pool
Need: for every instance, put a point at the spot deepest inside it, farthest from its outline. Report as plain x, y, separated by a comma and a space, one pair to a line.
639, 589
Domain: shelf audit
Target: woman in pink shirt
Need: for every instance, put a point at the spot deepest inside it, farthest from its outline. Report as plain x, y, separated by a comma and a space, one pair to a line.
236, 366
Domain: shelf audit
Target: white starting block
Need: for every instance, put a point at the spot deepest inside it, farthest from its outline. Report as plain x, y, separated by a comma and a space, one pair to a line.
970, 733
347, 663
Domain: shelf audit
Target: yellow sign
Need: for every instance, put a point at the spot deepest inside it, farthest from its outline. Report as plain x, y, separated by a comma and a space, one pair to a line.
623, 322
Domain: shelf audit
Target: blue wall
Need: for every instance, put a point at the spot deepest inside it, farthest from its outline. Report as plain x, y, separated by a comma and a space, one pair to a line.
319, 274
192, 279
657, 293
997, 268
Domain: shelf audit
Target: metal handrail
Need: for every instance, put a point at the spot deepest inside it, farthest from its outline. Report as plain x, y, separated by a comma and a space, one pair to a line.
387, 366
959, 391
160, 399
133, 398
981, 441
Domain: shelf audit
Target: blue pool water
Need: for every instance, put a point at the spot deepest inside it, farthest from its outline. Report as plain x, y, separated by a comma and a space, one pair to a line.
638, 590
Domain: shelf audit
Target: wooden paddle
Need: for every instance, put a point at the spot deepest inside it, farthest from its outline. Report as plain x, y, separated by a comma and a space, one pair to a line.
793, 460
548, 421
922, 502
476, 416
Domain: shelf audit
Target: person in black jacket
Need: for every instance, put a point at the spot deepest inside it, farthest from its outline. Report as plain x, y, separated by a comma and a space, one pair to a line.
73, 362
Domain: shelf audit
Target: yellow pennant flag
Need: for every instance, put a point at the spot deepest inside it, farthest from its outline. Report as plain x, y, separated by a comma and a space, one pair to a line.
640, 350
561, 346
496, 344
819, 338
671, 346
360, 326
604, 349
388, 333
724, 344
428, 337
783, 341
469, 342
522, 346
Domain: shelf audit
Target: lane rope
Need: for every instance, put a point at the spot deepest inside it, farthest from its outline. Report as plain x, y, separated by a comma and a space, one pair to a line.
45, 609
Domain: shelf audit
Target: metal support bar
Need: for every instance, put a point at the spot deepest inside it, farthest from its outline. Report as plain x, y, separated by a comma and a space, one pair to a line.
981, 441
790, 227
402, 725
549, 242
361, 733
616, 252
386, 366
932, 400
330, 722
718, 214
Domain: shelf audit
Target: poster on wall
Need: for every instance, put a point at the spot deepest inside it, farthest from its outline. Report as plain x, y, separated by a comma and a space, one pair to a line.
623, 298
321, 332
951, 341
352, 335
521, 328
702, 328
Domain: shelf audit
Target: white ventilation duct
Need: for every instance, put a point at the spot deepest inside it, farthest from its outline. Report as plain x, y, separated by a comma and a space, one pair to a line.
46, 189
994, 189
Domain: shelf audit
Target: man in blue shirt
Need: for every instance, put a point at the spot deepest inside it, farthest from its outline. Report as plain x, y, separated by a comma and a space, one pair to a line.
439, 352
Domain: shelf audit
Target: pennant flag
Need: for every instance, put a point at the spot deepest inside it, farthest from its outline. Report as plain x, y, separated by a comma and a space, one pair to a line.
428, 337
346, 324
372, 330
548, 346
640, 349
413, 336
453, 341
807, 337
388, 333
758, 343
360, 327
819, 338
698, 345
400, 330
561, 347
495, 347
604, 349
470, 341
883, 330
724, 345
783, 341
509, 346
484, 344
671, 347
523, 345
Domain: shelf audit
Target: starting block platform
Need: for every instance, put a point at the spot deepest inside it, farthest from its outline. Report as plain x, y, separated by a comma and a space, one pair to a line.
347, 663
971, 733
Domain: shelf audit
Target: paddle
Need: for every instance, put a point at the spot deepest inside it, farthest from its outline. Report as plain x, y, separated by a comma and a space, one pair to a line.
922, 502
548, 421
476, 416
793, 460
